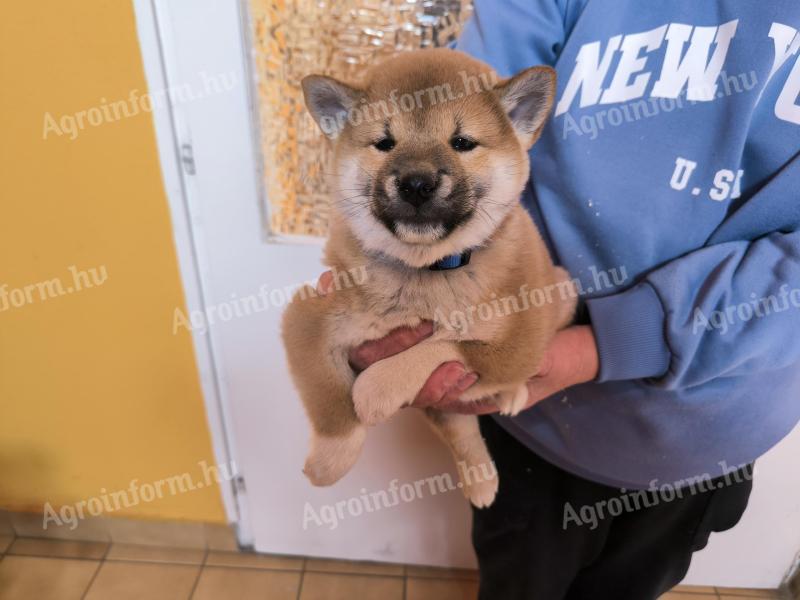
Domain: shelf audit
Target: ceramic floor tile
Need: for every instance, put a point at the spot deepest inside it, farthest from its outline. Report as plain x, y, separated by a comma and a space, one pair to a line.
695, 589
140, 581
220, 537
58, 548
441, 589
32, 525
347, 566
254, 561
157, 533
218, 583
6, 528
753, 593
132, 552
5, 542
741, 593
29, 578
440, 573
330, 586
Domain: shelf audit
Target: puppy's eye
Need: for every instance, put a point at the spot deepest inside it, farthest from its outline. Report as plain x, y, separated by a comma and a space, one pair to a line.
462, 144
384, 145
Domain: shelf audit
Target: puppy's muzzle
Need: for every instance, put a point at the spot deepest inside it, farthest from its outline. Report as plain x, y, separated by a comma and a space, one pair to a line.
417, 188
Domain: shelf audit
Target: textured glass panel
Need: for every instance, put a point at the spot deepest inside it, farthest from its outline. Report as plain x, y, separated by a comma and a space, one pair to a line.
295, 38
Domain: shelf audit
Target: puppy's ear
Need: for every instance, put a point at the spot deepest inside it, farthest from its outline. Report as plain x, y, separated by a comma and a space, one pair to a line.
329, 102
527, 98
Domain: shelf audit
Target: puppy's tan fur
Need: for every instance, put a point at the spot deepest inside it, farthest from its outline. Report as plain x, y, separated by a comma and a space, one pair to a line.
507, 254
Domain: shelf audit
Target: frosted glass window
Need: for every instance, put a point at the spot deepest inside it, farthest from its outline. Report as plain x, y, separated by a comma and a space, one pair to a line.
292, 39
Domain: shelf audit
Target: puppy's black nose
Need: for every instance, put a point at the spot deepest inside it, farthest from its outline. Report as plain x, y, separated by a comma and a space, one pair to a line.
417, 188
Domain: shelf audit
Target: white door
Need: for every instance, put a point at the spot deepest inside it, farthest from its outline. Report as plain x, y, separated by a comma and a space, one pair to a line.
204, 40
216, 133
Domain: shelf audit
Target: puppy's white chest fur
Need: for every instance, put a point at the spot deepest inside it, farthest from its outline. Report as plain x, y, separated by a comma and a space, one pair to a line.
396, 296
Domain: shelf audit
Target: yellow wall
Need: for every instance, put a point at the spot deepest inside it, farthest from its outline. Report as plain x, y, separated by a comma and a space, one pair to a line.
95, 390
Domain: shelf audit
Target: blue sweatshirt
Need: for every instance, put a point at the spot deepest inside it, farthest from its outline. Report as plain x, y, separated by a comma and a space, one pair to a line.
668, 183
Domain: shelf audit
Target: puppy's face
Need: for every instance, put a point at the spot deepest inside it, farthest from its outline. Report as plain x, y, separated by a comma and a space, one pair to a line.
431, 151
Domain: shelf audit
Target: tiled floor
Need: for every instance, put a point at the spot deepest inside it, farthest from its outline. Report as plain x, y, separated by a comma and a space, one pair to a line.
67, 570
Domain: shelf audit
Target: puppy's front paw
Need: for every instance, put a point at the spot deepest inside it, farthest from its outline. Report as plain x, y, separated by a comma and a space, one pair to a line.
512, 402
373, 398
330, 458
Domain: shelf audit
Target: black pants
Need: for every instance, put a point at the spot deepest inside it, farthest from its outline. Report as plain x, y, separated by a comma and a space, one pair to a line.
531, 546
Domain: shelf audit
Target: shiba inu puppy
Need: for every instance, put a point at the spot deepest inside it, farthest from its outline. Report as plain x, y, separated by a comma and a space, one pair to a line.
430, 159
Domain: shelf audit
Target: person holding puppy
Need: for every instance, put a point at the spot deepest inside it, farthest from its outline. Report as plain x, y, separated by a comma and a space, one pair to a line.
666, 183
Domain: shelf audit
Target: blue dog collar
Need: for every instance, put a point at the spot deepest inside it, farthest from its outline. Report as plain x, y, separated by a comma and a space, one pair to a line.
454, 261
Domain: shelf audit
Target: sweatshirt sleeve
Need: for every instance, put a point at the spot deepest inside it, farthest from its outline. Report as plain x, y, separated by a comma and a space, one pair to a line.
731, 308
511, 35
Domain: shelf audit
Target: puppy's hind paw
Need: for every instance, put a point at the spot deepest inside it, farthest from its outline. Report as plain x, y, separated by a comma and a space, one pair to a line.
482, 493
331, 458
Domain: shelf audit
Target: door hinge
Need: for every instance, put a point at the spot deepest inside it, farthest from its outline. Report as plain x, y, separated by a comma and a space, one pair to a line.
187, 159
238, 484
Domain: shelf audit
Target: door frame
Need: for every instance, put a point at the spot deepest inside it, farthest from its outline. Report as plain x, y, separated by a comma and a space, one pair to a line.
174, 150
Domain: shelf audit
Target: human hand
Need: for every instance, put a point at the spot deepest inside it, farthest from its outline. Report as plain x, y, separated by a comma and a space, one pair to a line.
447, 382
570, 359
